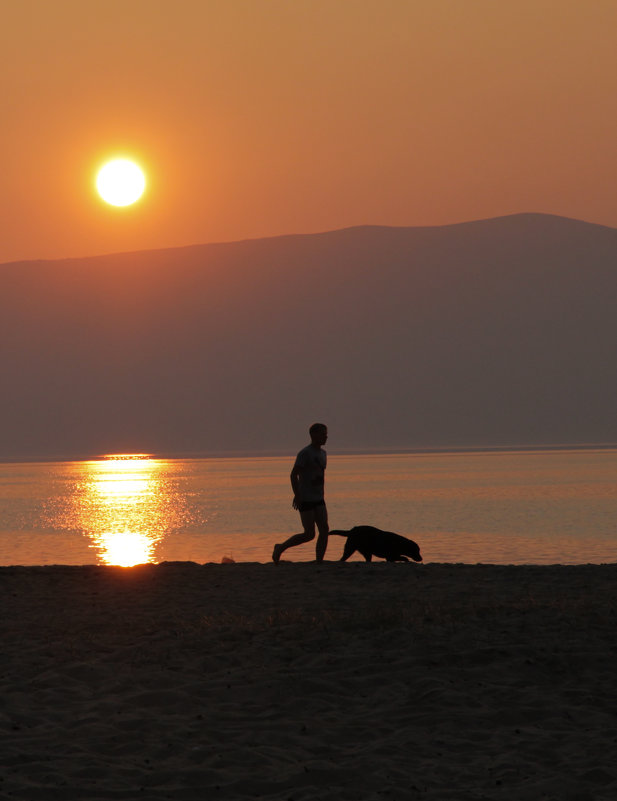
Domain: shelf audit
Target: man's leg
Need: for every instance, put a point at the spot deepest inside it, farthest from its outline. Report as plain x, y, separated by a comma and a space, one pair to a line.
321, 518
308, 522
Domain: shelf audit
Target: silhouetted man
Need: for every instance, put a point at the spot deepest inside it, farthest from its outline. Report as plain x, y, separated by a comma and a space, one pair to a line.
307, 482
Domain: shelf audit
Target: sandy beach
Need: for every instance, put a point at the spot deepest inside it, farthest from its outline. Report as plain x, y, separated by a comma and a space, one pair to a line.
298, 681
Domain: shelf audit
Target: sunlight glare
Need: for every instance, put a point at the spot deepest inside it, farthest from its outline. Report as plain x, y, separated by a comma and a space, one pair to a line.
126, 548
122, 508
120, 182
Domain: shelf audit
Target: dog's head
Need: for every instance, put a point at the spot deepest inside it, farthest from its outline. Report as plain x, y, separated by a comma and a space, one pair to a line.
413, 551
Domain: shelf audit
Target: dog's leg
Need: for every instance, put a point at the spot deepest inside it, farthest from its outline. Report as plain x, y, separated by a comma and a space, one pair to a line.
367, 555
347, 551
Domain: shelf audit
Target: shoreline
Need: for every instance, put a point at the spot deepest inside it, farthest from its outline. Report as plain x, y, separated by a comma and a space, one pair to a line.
305, 681
354, 560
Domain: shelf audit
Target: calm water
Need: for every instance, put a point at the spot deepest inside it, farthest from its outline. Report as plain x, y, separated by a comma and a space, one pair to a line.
540, 507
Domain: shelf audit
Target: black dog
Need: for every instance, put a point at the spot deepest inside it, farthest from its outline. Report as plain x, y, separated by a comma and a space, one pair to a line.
371, 541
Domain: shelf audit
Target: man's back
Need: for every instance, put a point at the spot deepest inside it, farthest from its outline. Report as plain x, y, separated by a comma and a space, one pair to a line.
310, 466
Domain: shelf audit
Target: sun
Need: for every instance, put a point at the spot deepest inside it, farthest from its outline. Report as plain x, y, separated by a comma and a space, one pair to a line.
120, 182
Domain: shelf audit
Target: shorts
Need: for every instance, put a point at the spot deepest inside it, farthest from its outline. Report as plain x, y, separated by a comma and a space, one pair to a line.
307, 506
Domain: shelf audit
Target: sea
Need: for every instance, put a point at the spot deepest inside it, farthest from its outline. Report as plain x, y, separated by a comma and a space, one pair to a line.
555, 506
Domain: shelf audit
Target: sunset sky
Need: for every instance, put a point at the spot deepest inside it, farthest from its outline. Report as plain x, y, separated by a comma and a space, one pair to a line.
255, 118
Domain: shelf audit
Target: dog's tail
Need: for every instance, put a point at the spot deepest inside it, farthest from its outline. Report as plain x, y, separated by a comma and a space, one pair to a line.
339, 532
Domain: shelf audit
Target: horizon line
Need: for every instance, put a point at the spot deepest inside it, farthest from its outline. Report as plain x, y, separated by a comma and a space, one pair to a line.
277, 453
322, 232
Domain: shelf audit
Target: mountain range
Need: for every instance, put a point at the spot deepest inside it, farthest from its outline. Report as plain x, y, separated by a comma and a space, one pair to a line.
492, 333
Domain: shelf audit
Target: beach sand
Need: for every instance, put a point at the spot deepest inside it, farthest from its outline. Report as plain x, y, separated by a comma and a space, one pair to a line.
302, 681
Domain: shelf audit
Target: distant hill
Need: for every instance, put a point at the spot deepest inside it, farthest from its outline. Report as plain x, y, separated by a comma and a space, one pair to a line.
497, 332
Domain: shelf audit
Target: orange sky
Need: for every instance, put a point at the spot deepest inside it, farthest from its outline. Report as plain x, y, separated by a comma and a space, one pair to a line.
262, 117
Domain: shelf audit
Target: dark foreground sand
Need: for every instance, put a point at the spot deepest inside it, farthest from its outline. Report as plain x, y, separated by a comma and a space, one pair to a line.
340, 681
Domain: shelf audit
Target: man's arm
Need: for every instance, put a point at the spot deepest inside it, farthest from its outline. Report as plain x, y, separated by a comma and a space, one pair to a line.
295, 484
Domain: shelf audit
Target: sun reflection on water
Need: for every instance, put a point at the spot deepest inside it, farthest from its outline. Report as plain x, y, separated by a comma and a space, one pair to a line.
123, 508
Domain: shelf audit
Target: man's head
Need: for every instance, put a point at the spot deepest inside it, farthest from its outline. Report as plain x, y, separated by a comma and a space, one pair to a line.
319, 434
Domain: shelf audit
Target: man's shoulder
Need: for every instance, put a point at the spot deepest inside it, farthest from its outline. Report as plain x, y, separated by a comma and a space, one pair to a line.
305, 453
309, 454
